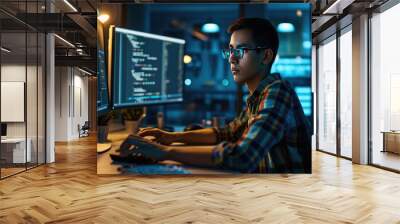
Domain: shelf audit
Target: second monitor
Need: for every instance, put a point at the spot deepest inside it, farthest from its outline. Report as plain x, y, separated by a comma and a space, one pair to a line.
147, 68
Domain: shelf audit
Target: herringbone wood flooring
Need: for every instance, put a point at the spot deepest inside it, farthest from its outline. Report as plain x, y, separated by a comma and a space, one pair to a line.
70, 191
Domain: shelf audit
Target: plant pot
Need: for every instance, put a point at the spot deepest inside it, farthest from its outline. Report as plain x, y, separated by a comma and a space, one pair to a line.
115, 124
132, 127
102, 134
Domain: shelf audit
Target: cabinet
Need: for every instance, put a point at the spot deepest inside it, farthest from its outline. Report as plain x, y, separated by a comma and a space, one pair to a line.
13, 150
391, 141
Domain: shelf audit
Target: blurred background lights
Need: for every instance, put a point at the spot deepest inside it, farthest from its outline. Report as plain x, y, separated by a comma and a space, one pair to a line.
187, 59
225, 82
103, 18
307, 44
188, 82
285, 28
210, 28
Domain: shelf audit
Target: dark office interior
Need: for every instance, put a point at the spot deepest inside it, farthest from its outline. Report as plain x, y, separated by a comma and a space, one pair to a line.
339, 55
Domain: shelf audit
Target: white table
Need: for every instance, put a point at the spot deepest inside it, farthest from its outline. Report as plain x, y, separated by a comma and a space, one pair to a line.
18, 149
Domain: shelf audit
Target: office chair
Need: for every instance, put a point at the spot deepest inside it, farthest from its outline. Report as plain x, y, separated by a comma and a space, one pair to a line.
84, 130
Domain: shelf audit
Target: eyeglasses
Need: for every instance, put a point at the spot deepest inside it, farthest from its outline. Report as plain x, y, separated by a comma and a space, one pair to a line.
239, 52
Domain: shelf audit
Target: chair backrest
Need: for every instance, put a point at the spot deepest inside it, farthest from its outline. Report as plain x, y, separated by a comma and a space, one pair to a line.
85, 125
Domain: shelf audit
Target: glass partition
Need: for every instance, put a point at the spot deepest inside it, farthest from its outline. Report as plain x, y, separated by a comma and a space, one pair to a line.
31, 98
346, 93
327, 95
385, 89
22, 89
14, 152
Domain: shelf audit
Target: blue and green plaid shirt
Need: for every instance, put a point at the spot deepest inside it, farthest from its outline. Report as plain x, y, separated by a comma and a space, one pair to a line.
272, 134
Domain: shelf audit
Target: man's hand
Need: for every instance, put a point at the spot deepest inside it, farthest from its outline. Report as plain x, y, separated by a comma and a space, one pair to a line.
163, 137
145, 147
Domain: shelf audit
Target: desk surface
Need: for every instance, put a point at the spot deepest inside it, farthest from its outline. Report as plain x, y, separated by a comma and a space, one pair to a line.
105, 164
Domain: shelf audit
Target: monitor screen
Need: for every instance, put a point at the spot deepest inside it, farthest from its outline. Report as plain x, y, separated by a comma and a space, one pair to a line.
147, 68
102, 85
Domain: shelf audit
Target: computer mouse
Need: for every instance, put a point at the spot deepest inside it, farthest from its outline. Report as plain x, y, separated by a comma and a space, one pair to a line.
192, 127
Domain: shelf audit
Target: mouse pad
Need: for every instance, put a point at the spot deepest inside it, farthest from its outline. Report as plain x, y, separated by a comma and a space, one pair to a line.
154, 169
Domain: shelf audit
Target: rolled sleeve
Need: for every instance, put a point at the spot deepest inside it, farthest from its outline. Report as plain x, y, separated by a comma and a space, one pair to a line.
231, 130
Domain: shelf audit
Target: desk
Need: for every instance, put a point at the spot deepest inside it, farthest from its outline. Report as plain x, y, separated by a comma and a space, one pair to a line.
105, 164
13, 150
391, 141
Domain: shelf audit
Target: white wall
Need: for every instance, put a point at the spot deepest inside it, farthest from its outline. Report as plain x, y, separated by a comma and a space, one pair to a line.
81, 94
61, 103
34, 125
12, 73
71, 102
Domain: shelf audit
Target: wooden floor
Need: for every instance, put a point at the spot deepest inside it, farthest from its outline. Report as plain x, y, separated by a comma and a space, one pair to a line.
10, 171
70, 191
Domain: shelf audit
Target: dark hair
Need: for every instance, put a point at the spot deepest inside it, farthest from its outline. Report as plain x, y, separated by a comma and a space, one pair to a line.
264, 33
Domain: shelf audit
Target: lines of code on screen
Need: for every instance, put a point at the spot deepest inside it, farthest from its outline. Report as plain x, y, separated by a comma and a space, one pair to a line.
102, 93
148, 68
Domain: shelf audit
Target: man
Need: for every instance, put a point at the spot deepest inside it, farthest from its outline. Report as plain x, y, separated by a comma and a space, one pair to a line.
271, 135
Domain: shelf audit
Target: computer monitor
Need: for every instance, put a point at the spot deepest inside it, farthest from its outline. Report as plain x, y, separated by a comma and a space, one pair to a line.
147, 68
102, 84
3, 129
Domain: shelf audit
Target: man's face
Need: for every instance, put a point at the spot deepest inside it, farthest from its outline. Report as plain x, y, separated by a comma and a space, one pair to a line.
251, 64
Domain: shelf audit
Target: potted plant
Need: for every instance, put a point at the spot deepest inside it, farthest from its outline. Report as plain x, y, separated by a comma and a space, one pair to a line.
132, 118
116, 121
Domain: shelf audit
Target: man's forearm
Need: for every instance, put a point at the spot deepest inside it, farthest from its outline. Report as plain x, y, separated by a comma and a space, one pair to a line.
191, 155
206, 136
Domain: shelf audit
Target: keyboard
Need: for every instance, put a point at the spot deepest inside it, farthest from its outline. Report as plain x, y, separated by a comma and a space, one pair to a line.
136, 158
154, 169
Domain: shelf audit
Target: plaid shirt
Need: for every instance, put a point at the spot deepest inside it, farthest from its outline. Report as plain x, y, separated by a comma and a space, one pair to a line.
271, 135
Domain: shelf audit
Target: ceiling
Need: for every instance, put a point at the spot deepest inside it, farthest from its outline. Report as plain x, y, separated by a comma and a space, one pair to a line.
76, 22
